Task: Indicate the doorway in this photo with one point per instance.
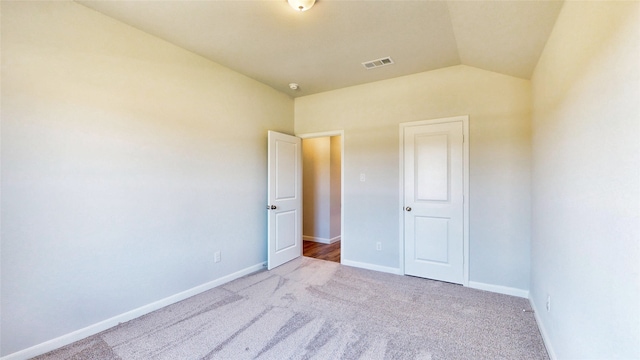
(322, 196)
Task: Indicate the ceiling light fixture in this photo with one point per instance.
(301, 5)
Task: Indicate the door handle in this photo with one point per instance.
(271, 207)
(408, 208)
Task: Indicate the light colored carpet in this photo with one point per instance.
(313, 309)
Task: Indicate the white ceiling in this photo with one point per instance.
(322, 49)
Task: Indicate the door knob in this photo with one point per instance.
(408, 208)
(273, 207)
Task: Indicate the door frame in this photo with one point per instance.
(325, 134)
(465, 187)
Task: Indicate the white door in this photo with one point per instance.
(433, 201)
(284, 200)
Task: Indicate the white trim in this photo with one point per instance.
(321, 134)
(499, 289)
(545, 335)
(374, 267)
(320, 240)
(467, 197)
(465, 130)
(342, 161)
(90, 330)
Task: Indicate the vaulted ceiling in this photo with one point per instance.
(323, 48)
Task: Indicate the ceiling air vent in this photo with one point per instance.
(377, 63)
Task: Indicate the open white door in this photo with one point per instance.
(284, 200)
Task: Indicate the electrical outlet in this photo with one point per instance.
(548, 303)
(216, 256)
(363, 177)
(378, 246)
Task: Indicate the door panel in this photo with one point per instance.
(285, 230)
(284, 200)
(433, 200)
(437, 248)
(285, 169)
(432, 167)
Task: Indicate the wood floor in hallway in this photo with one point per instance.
(329, 252)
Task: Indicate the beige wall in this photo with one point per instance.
(126, 163)
(586, 182)
(499, 110)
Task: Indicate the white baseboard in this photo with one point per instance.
(368, 266)
(499, 289)
(543, 332)
(72, 337)
(320, 240)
